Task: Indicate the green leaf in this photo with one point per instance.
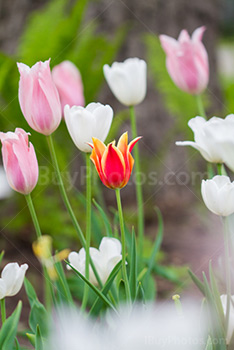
(209, 345)
(133, 267)
(32, 296)
(32, 338)
(216, 295)
(140, 293)
(157, 243)
(39, 342)
(1, 256)
(97, 291)
(217, 331)
(105, 219)
(38, 314)
(62, 285)
(122, 291)
(148, 282)
(17, 345)
(196, 280)
(9, 329)
(98, 302)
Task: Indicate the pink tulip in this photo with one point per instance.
(19, 160)
(39, 98)
(187, 60)
(68, 81)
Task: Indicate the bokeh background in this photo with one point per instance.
(92, 33)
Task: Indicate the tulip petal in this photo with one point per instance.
(184, 36)
(123, 144)
(169, 44)
(110, 247)
(19, 279)
(113, 166)
(198, 33)
(132, 143)
(14, 173)
(2, 289)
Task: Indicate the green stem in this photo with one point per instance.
(38, 231)
(3, 310)
(122, 230)
(219, 168)
(63, 191)
(33, 214)
(67, 203)
(201, 109)
(227, 270)
(139, 193)
(88, 227)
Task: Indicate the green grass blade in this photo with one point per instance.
(97, 291)
(98, 302)
(133, 267)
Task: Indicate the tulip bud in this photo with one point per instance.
(68, 81)
(39, 98)
(218, 195)
(105, 258)
(187, 60)
(114, 164)
(19, 160)
(214, 139)
(85, 123)
(230, 330)
(12, 278)
(127, 80)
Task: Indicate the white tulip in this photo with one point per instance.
(230, 330)
(12, 278)
(127, 80)
(213, 138)
(218, 195)
(83, 123)
(5, 189)
(105, 258)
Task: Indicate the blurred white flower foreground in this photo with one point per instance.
(149, 327)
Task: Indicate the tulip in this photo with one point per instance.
(85, 123)
(105, 258)
(68, 81)
(39, 98)
(230, 330)
(127, 80)
(5, 190)
(12, 278)
(114, 164)
(218, 195)
(42, 248)
(214, 138)
(187, 60)
(19, 160)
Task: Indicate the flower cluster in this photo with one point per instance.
(118, 271)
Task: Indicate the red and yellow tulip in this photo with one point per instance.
(114, 163)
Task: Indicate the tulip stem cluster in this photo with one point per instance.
(122, 230)
(200, 105)
(33, 214)
(138, 183)
(3, 310)
(88, 226)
